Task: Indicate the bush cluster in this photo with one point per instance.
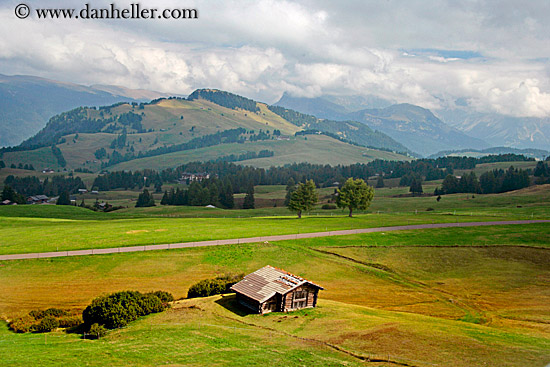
(118, 309)
(43, 321)
(97, 331)
(210, 287)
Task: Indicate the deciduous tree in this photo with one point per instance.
(354, 194)
(303, 198)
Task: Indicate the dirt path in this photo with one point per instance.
(170, 246)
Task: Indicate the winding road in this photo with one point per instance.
(170, 246)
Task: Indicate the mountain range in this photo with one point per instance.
(27, 102)
(501, 130)
(415, 127)
(208, 125)
(425, 132)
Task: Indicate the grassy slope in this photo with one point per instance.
(200, 117)
(484, 167)
(316, 149)
(504, 288)
(39, 158)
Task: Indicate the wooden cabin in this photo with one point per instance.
(271, 289)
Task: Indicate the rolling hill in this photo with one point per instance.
(209, 125)
(27, 102)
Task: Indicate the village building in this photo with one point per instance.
(187, 177)
(271, 289)
(37, 199)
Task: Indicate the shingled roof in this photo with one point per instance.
(264, 283)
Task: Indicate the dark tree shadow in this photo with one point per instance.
(229, 302)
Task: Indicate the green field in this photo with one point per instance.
(452, 296)
(51, 228)
(388, 296)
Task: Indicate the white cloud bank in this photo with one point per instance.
(308, 48)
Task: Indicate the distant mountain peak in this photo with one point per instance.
(415, 127)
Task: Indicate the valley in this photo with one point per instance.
(463, 296)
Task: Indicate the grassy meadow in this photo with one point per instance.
(456, 296)
(52, 228)
(452, 296)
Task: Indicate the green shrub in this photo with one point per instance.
(54, 312)
(210, 287)
(97, 331)
(22, 324)
(69, 321)
(46, 325)
(165, 297)
(328, 206)
(149, 303)
(118, 309)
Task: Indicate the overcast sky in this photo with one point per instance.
(492, 55)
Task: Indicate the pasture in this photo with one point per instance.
(460, 296)
(438, 297)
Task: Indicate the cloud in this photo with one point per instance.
(494, 56)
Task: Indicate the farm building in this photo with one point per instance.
(37, 199)
(270, 289)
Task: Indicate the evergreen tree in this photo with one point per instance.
(488, 183)
(158, 187)
(145, 199)
(165, 199)
(226, 197)
(181, 197)
(64, 199)
(248, 202)
(194, 192)
(416, 187)
(204, 196)
(355, 194)
(449, 185)
(8, 193)
(380, 182)
(541, 170)
(214, 195)
(303, 198)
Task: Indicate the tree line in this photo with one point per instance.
(491, 182)
(212, 191)
(241, 177)
(51, 186)
(225, 99)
